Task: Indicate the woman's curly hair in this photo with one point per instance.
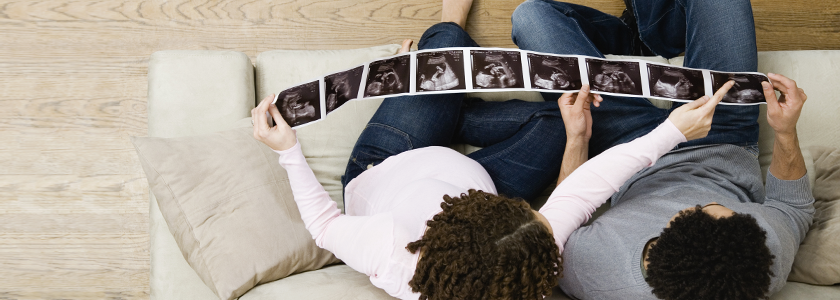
(484, 246)
(702, 257)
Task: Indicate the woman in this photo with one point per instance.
(424, 221)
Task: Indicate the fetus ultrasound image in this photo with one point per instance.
(440, 70)
(342, 87)
(623, 77)
(747, 88)
(388, 76)
(495, 69)
(554, 72)
(675, 83)
(301, 104)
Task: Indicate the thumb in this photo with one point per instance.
(406, 46)
(275, 114)
(769, 94)
(582, 97)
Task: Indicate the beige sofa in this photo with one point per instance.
(197, 92)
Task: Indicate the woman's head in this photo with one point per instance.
(484, 246)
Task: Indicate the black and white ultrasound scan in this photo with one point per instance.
(623, 77)
(301, 104)
(342, 87)
(554, 72)
(747, 88)
(496, 69)
(440, 71)
(675, 83)
(388, 76)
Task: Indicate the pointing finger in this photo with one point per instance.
(718, 96)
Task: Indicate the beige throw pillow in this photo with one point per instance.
(230, 208)
(818, 259)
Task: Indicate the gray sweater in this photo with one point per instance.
(602, 260)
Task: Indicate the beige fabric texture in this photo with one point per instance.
(222, 84)
(818, 259)
(228, 204)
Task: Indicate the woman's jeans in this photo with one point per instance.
(524, 141)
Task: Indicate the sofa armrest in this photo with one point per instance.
(190, 93)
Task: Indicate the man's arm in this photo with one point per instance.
(575, 154)
(577, 118)
(787, 188)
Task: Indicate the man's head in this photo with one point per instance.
(710, 252)
(484, 246)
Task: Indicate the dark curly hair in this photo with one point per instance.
(702, 257)
(484, 246)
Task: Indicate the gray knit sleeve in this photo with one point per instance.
(793, 198)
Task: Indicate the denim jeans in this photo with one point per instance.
(523, 141)
(715, 34)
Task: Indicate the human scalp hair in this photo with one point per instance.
(484, 246)
(702, 257)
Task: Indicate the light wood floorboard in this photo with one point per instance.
(73, 198)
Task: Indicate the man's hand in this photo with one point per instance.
(280, 137)
(783, 112)
(694, 119)
(577, 116)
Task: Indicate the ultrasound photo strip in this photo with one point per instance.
(465, 70)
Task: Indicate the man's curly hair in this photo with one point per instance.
(484, 246)
(703, 257)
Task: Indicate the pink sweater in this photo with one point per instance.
(388, 205)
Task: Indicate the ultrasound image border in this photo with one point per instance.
(573, 70)
(357, 87)
(758, 88)
(459, 68)
(701, 78)
(519, 68)
(317, 104)
(405, 80)
(637, 80)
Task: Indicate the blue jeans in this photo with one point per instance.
(523, 141)
(714, 34)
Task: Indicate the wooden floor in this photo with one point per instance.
(73, 198)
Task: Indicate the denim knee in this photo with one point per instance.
(446, 34)
(527, 16)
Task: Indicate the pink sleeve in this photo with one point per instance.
(576, 198)
(363, 242)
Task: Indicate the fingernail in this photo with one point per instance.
(771, 74)
(766, 85)
(585, 87)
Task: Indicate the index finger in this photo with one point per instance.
(718, 96)
(782, 80)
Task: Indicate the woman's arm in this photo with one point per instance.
(575, 198)
(364, 243)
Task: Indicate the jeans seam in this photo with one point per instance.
(651, 24)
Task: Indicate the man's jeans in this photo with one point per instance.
(523, 141)
(715, 34)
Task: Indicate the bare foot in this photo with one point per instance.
(406, 46)
(456, 11)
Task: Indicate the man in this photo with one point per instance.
(726, 235)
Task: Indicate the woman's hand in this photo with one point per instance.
(280, 137)
(574, 107)
(694, 119)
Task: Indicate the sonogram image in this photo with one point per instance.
(440, 70)
(300, 104)
(388, 76)
(342, 87)
(623, 77)
(554, 72)
(496, 69)
(675, 83)
(747, 88)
